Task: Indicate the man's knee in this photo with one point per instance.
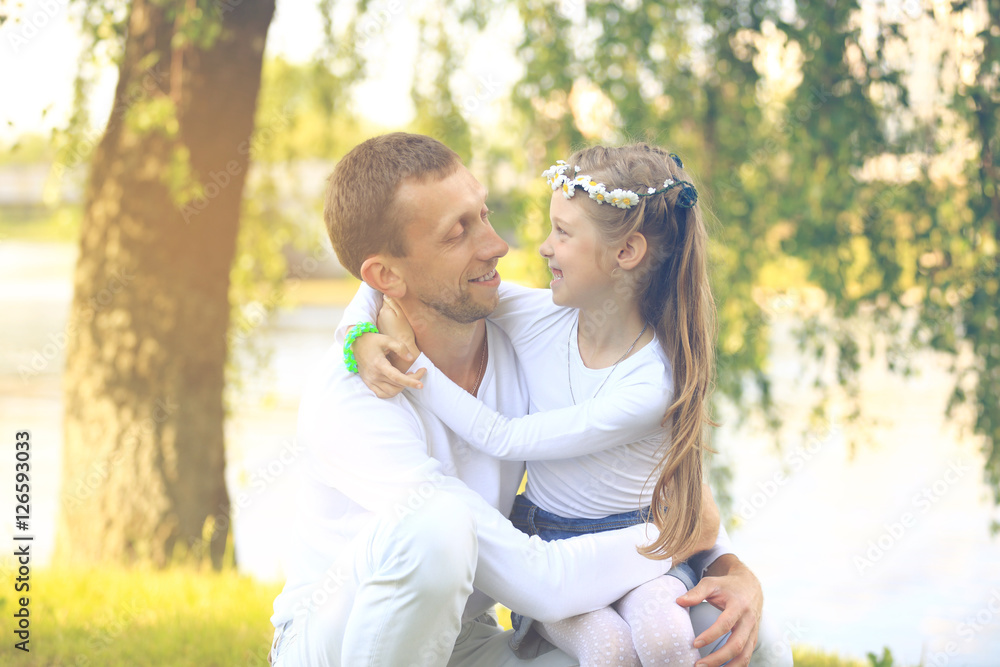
(434, 540)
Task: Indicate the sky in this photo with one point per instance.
(39, 53)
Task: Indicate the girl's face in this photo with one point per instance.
(579, 259)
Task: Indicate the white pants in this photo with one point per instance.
(403, 605)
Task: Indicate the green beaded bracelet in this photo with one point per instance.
(353, 335)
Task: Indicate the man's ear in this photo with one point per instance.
(382, 277)
(631, 252)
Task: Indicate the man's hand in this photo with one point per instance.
(730, 586)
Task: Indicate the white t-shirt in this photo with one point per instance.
(588, 460)
(365, 456)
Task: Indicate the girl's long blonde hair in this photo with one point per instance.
(673, 292)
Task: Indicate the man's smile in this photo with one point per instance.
(487, 278)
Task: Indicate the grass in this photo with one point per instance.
(181, 616)
(804, 656)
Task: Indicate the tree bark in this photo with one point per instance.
(143, 452)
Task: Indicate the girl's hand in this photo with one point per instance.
(392, 322)
(373, 353)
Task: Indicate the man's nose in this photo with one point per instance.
(493, 246)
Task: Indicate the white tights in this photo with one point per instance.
(646, 627)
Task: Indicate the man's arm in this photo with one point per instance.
(702, 560)
(729, 585)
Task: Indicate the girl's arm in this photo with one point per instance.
(394, 467)
(362, 308)
(378, 355)
(627, 413)
(522, 313)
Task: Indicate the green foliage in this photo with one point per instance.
(884, 661)
(787, 114)
(791, 116)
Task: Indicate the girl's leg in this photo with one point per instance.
(601, 637)
(661, 629)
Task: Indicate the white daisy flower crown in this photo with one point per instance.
(624, 199)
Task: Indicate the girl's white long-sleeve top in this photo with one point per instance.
(364, 457)
(586, 460)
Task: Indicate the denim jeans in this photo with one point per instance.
(533, 520)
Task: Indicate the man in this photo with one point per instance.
(401, 544)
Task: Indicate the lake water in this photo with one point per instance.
(885, 544)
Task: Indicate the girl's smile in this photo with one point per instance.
(577, 255)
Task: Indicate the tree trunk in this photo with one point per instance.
(143, 453)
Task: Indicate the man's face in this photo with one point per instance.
(452, 250)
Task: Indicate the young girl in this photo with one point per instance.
(618, 359)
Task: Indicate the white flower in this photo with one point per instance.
(651, 191)
(616, 197)
(557, 181)
(667, 183)
(598, 193)
(558, 169)
(568, 188)
(629, 199)
(577, 168)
